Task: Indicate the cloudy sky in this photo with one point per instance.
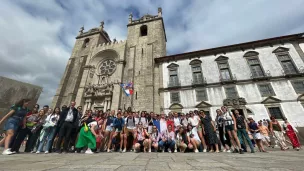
(37, 36)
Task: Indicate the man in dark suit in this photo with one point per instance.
(66, 122)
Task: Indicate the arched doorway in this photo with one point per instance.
(176, 108)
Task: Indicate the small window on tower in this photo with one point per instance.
(143, 30)
(86, 43)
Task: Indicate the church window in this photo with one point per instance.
(231, 92)
(144, 30)
(224, 69)
(266, 90)
(254, 64)
(285, 60)
(276, 112)
(175, 97)
(197, 74)
(298, 86)
(107, 67)
(86, 42)
(201, 95)
(173, 75)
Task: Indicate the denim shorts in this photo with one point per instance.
(12, 123)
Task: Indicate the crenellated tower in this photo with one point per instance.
(146, 40)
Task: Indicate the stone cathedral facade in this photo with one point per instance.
(260, 78)
(97, 66)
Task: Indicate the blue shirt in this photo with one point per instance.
(118, 123)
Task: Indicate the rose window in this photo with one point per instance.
(107, 67)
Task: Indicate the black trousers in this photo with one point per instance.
(65, 133)
(11, 144)
(74, 136)
(221, 134)
(20, 138)
(32, 140)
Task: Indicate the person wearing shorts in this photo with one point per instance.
(118, 125)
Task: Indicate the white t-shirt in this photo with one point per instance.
(194, 121)
(176, 122)
(195, 135)
(163, 125)
(70, 116)
(92, 124)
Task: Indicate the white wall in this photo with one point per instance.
(284, 90)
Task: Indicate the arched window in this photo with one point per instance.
(144, 30)
(253, 61)
(86, 42)
(197, 74)
(173, 75)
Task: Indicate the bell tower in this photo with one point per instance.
(146, 40)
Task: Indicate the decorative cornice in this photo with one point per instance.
(231, 48)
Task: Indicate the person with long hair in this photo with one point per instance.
(224, 137)
(48, 131)
(181, 139)
(277, 131)
(194, 140)
(155, 137)
(195, 122)
(209, 130)
(254, 129)
(230, 128)
(143, 139)
(31, 121)
(87, 138)
(32, 140)
(291, 132)
(15, 117)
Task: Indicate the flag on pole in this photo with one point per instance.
(127, 88)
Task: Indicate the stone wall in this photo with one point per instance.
(11, 91)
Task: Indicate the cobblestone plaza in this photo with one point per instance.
(273, 161)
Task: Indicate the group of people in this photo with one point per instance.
(70, 130)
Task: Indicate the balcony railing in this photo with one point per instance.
(174, 84)
(260, 76)
(291, 73)
(231, 79)
(202, 81)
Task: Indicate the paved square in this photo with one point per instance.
(273, 161)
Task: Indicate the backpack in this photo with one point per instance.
(128, 120)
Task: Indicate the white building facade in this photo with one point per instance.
(262, 78)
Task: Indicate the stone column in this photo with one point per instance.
(105, 106)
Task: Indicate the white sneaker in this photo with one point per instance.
(46, 152)
(124, 150)
(37, 152)
(169, 150)
(163, 150)
(175, 151)
(204, 150)
(89, 151)
(109, 151)
(7, 152)
(224, 151)
(32, 151)
(229, 151)
(196, 151)
(150, 150)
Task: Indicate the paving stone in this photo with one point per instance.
(273, 161)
